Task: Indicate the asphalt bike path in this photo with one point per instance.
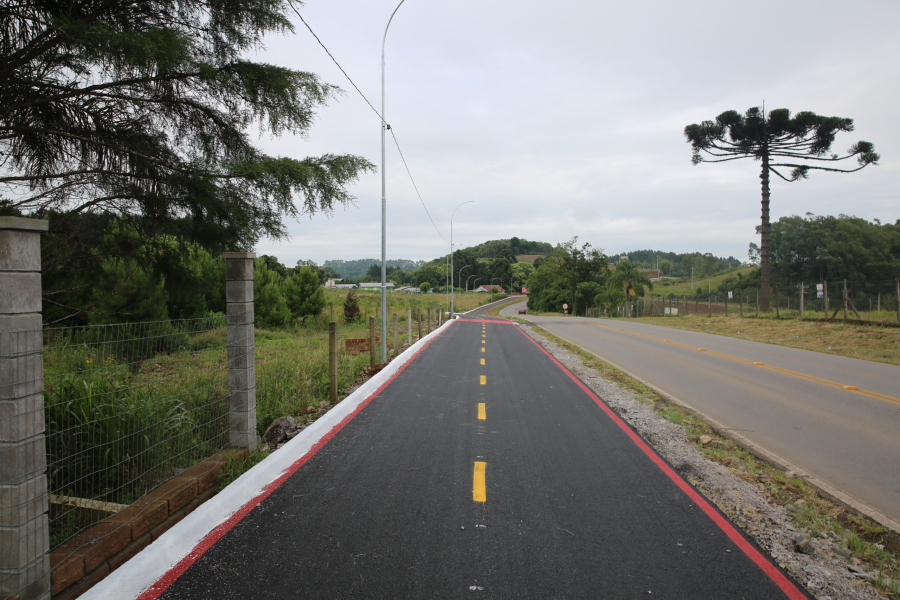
(483, 469)
(834, 418)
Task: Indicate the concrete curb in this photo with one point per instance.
(824, 488)
(157, 559)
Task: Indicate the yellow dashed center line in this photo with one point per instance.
(482, 361)
(482, 341)
(482, 349)
(482, 413)
(483, 380)
(789, 372)
(479, 490)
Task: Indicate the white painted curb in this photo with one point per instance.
(148, 566)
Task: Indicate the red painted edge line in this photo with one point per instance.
(767, 567)
(503, 322)
(170, 576)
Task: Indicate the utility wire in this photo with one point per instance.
(414, 185)
(384, 123)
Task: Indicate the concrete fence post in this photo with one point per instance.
(332, 362)
(24, 522)
(241, 349)
(409, 325)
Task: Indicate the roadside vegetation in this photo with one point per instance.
(858, 537)
(866, 341)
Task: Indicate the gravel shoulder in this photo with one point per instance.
(822, 563)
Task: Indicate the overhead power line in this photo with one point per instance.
(380, 118)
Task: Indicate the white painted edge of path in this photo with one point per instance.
(486, 305)
(824, 488)
(149, 565)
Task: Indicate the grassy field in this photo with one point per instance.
(868, 342)
(682, 286)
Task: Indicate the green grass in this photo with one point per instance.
(682, 285)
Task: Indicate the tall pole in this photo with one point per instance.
(492, 287)
(452, 294)
(463, 269)
(467, 282)
(384, 127)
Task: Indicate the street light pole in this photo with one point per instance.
(492, 287)
(452, 294)
(463, 269)
(384, 127)
(467, 282)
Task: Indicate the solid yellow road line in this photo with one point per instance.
(483, 380)
(482, 414)
(482, 361)
(789, 372)
(479, 490)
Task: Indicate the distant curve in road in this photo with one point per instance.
(484, 469)
(836, 418)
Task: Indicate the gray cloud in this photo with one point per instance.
(563, 119)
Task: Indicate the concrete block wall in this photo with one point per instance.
(241, 349)
(24, 526)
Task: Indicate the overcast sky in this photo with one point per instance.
(566, 118)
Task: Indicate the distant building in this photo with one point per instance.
(375, 286)
(408, 290)
(330, 283)
(343, 286)
(484, 289)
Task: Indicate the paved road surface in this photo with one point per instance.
(483, 470)
(793, 404)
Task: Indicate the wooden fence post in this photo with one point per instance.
(396, 339)
(846, 298)
(332, 361)
(419, 321)
(372, 341)
(409, 325)
(428, 322)
(825, 295)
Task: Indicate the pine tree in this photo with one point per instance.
(351, 307)
(144, 110)
(805, 137)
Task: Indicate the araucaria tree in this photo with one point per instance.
(145, 110)
(801, 142)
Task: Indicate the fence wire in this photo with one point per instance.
(128, 406)
(851, 300)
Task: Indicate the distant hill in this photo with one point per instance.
(518, 246)
(355, 269)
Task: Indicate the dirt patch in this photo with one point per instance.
(744, 492)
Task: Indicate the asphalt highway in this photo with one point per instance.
(836, 418)
(484, 469)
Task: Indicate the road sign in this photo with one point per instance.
(524, 290)
(565, 306)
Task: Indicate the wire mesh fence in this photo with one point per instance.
(93, 418)
(128, 406)
(851, 300)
